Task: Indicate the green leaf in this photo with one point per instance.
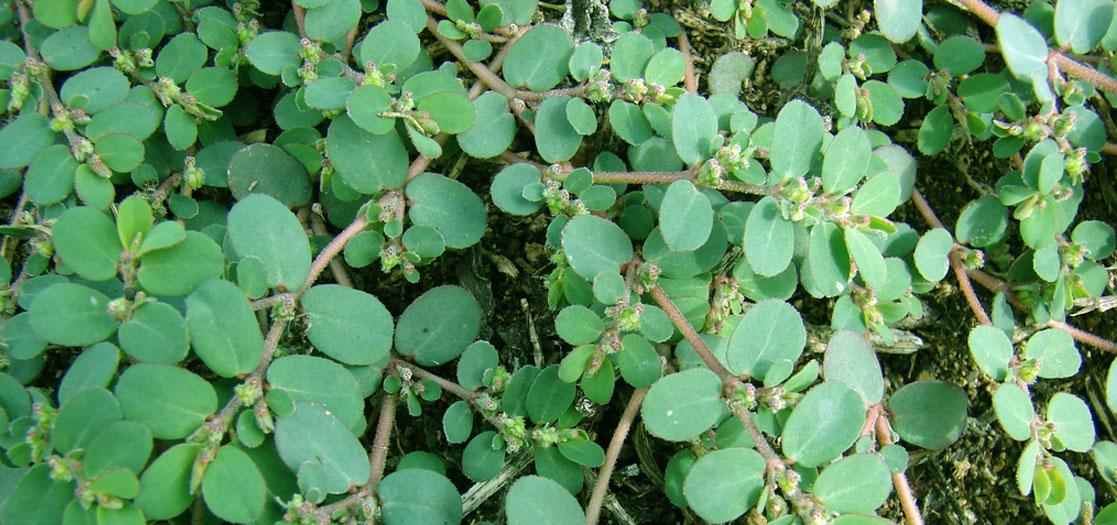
(86, 240)
(929, 414)
(326, 455)
(594, 245)
(122, 153)
(555, 139)
(1023, 47)
(509, 186)
(213, 86)
(457, 422)
(870, 262)
(1096, 237)
(37, 498)
(982, 222)
(630, 56)
(549, 396)
(233, 487)
(95, 89)
(879, 196)
(1082, 24)
(364, 106)
(535, 500)
(480, 461)
(390, 42)
(538, 60)
(179, 127)
(724, 484)
(223, 329)
(583, 452)
(95, 367)
(729, 73)
(72, 315)
(581, 116)
(331, 21)
(629, 122)
(260, 226)
(694, 129)
(273, 51)
(828, 259)
(936, 130)
(638, 361)
(172, 402)
(769, 238)
(437, 327)
(824, 424)
(70, 49)
(850, 359)
(165, 484)
(578, 325)
(585, 61)
(268, 169)
(83, 418)
(666, 68)
(320, 381)
(685, 217)
(682, 405)
(348, 325)
(991, 350)
(1056, 352)
(417, 497)
(51, 176)
(179, 269)
(846, 160)
(447, 206)
(959, 55)
(122, 444)
(367, 162)
(156, 333)
(1074, 425)
(494, 129)
(796, 141)
(898, 19)
(23, 139)
(770, 331)
(932, 254)
(475, 363)
(1014, 410)
(857, 483)
(56, 14)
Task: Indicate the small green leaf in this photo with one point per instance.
(770, 331)
(1014, 410)
(870, 262)
(629, 122)
(437, 327)
(333, 20)
(899, 20)
(578, 325)
(165, 484)
(83, 418)
(447, 206)
(1082, 24)
(694, 129)
(685, 217)
(857, 483)
(1074, 424)
(581, 116)
(262, 227)
(769, 238)
(555, 138)
(390, 42)
(156, 333)
(1023, 48)
(594, 245)
(724, 484)
(549, 396)
(509, 187)
(846, 160)
(682, 405)
(326, 455)
(367, 162)
(630, 56)
(86, 240)
(320, 381)
(1056, 352)
(480, 461)
(535, 500)
(796, 141)
(268, 169)
(172, 402)
(272, 51)
(223, 329)
(95, 367)
(824, 424)
(850, 359)
(538, 59)
(932, 254)
(457, 422)
(494, 129)
(929, 414)
(419, 496)
(348, 325)
(179, 269)
(991, 350)
(72, 315)
(233, 487)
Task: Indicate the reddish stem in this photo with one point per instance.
(601, 486)
(899, 480)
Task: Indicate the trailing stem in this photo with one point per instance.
(601, 485)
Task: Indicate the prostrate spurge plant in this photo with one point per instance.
(203, 369)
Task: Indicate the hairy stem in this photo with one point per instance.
(692, 336)
(601, 485)
(331, 250)
(899, 480)
(690, 79)
(337, 269)
(378, 457)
